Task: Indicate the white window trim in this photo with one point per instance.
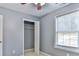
(74, 50)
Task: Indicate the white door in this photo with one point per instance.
(1, 34)
(37, 37)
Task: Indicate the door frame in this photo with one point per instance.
(1, 33)
(36, 35)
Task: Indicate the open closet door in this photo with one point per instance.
(37, 37)
(1, 34)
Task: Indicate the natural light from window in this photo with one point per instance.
(67, 30)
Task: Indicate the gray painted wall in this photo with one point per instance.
(48, 32)
(28, 35)
(13, 31)
(13, 38)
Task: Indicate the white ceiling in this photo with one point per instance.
(30, 8)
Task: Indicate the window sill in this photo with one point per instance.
(69, 49)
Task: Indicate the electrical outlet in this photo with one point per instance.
(13, 51)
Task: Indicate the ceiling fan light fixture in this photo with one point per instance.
(40, 4)
(39, 7)
(23, 3)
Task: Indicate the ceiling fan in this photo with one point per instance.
(38, 5)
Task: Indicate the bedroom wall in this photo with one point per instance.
(48, 32)
(13, 31)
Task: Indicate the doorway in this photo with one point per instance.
(31, 37)
(28, 36)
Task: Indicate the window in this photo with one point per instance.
(67, 39)
(67, 30)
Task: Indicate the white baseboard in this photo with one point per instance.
(31, 50)
(45, 54)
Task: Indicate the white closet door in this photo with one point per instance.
(1, 34)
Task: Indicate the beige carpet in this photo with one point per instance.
(32, 54)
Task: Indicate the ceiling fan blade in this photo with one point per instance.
(23, 3)
(39, 7)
